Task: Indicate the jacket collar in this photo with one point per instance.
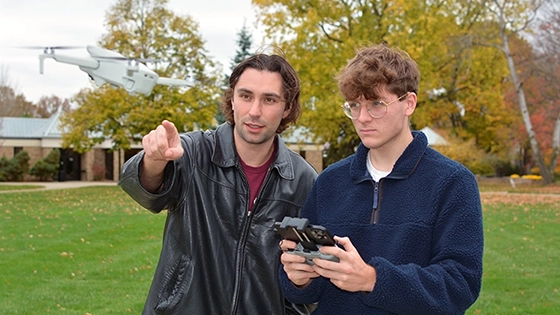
(225, 154)
(405, 165)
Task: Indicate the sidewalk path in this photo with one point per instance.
(54, 185)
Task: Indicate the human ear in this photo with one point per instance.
(287, 111)
(411, 100)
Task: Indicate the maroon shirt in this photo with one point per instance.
(255, 176)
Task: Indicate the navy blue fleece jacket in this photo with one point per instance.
(420, 228)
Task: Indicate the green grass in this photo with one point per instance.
(76, 251)
(521, 260)
(521, 254)
(94, 250)
(5, 187)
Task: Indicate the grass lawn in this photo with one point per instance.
(521, 254)
(94, 250)
(5, 187)
(76, 251)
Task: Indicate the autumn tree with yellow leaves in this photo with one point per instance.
(146, 30)
(461, 88)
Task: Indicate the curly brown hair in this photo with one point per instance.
(272, 63)
(378, 67)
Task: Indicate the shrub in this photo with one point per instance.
(47, 168)
(4, 162)
(466, 153)
(532, 177)
(13, 170)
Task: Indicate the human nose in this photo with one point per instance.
(363, 113)
(255, 110)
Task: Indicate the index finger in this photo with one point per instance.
(169, 128)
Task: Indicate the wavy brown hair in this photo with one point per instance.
(271, 63)
(376, 67)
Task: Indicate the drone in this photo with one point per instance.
(107, 66)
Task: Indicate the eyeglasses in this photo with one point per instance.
(376, 109)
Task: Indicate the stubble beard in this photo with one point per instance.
(254, 138)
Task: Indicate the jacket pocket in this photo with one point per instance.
(178, 277)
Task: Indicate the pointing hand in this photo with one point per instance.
(162, 143)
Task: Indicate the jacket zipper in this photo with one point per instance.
(240, 249)
(257, 198)
(243, 239)
(375, 208)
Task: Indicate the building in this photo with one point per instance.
(434, 139)
(39, 136)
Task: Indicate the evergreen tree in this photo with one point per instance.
(244, 43)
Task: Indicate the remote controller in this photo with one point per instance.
(309, 238)
(309, 255)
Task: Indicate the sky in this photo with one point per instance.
(80, 23)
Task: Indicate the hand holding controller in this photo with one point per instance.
(309, 255)
(309, 238)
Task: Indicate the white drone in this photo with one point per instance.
(109, 66)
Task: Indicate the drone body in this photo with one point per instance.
(106, 66)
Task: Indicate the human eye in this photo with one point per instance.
(353, 105)
(270, 100)
(245, 97)
(377, 104)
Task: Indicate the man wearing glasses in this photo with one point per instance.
(407, 220)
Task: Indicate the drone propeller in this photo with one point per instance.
(51, 49)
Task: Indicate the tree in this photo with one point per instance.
(515, 16)
(244, 43)
(548, 65)
(12, 103)
(146, 29)
(461, 84)
(49, 105)
(536, 70)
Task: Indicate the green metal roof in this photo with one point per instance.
(30, 128)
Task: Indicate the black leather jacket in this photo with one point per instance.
(217, 257)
